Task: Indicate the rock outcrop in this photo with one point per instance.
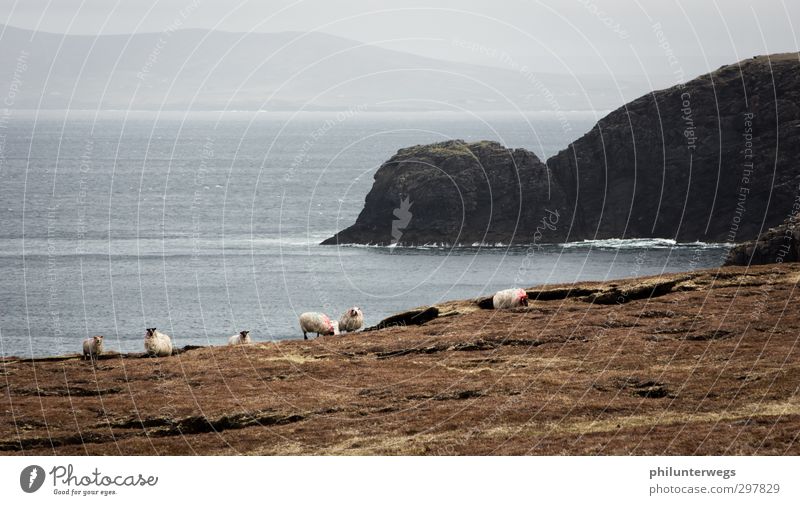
(776, 245)
(714, 159)
(456, 192)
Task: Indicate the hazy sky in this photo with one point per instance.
(580, 36)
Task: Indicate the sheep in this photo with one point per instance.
(351, 320)
(317, 322)
(510, 298)
(157, 344)
(93, 347)
(242, 338)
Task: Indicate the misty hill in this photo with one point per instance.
(213, 70)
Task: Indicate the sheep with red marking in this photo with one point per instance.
(510, 298)
(317, 322)
(351, 320)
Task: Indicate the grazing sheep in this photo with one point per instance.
(317, 322)
(351, 320)
(93, 347)
(510, 298)
(157, 344)
(242, 338)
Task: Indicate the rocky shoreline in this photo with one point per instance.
(776, 245)
(700, 362)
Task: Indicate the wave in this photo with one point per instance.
(438, 246)
(642, 243)
(611, 244)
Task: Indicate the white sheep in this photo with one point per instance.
(317, 322)
(93, 347)
(351, 320)
(242, 338)
(157, 344)
(510, 298)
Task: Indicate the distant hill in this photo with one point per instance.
(213, 70)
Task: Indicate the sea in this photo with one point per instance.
(202, 224)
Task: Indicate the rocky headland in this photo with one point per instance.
(456, 192)
(694, 363)
(776, 245)
(715, 159)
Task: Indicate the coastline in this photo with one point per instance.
(698, 362)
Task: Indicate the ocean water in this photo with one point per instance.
(204, 224)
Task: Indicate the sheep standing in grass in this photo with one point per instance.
(351, 320)
(157, 344)
(317, 322)
(93, 347)
(510, 298)
(242, 338)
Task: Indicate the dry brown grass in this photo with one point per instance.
(710, 367)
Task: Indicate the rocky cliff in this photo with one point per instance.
(459, 193)
(714, 159)
(776, 245)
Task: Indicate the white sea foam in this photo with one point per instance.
(612, 243)
(642, 243)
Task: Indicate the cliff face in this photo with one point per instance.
(459, 193)
(715, 159)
